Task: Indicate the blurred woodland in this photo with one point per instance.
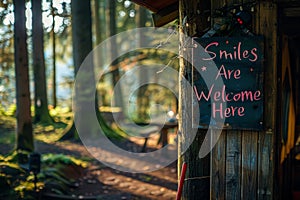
(42, 45)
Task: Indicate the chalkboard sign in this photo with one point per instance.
(236, 63)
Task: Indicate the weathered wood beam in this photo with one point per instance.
(197, 183)
(266, 25)
(165, 15)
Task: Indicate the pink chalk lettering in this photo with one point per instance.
(219, 111)
(236, 54)
(227, 73)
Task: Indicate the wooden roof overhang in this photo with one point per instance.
(164, 11)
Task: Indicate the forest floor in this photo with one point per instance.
(101, 182)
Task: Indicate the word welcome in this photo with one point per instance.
(242, 96)
(220, 97)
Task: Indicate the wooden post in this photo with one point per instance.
(266, 25)
(193, 22)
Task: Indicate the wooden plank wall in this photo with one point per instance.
(242, 162)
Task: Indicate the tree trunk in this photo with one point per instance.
(98, 32)
(24, 139)
(54, 97)
(40, 89)
(111, 18)
(142, 98)
(82, 46)
(197, 183)
(98, 60)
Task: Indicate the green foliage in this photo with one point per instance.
(110, 131)
(7, 130)
(10, 168)
(12, 177)
(59, 111)
(2, 110)
(53, 178)
(7, 121)
(7, 137)
(63, 159)
(14, 156)
(11, 111)
(59, 170)
(25, 189)
(56, 175)
(50, 133)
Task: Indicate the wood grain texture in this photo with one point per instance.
(249, 165)
(265, 167)
(266, 25)
(233, 163)
(197, 184)
(218, 167)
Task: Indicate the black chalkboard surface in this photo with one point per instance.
(228, 81)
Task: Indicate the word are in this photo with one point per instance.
(228, 74)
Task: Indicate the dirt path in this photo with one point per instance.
(107, 183)
(102, 182)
